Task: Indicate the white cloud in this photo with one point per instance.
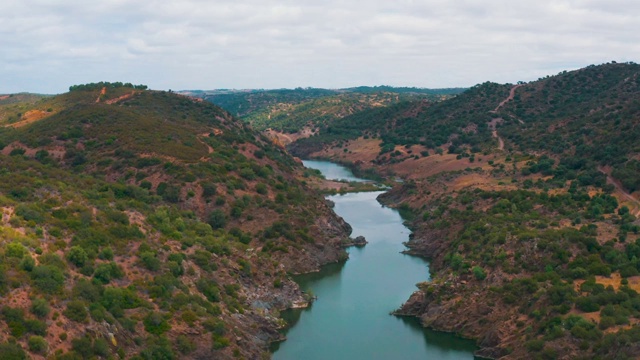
(188, 44)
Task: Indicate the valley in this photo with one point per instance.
(147, 224)
(523, 196)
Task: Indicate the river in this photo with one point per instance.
(350, 319)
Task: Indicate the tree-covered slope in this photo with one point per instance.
(305, 110)
(587, 117)
(145, 224)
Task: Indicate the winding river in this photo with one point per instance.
(350, 319)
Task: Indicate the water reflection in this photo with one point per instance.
(350, 319)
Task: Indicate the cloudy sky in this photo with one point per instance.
(47, 45)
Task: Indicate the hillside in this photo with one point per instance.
(525, 199)
(292, 114)
(144, 224)
(316, 113)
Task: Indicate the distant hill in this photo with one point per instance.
(590, 114)
(146, 224)
(20, 98)
(294, 110)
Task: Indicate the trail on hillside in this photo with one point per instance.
(621, 189)
(494, 122)
(512, 94)
(102, 92)
(494, 133)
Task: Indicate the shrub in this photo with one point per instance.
(587, 304)
(37, 344)
(40, 307)
(47, 278)
(184, 345)
(156, 324)
(76, 311)
(535, 345)
(150, 261)
(217, 219)
(27, 263)
(479, 273)
(12, 351)
(15, 250)
(106, 272)
(209, 189)
(77, 256)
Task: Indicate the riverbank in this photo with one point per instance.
(351, 317)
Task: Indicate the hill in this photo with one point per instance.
(291, 114)
(144, 224)
(525, 199)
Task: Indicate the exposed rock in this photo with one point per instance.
(359, 241)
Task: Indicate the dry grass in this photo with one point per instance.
(615, 281)
(30, 117)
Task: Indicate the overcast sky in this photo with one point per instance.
(47, 45)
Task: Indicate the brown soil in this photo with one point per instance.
(512, 94)
(29, 117)
(118, 99)
(102, 93)
(622, 194)
(286, 139)
(615, 281)
(494, 134)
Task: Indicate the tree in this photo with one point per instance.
(217, 219)
(77, 256)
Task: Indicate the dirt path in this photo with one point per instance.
(29, 117)
(512, 94)
(102, 92)
(493, 124)
(118, 99)
(209, 147)
(621, 190)
(494, 133)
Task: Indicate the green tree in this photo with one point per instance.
(217, 219)
(77, 256)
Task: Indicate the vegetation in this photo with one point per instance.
(546, 246)
(291, 110)
(145, 212)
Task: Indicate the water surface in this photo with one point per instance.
(350, 319)
(332, 171)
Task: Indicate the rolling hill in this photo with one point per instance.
(525, 198)
(145, 224)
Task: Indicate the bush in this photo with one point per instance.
(479, 273)
(27, 263)
(77, 256)
(48, 279)
(12, 351)
(40, 308)
(217, 219)
(76, 311)
(535, 345)
(606, 322)
(15, 250)
(38, 344)
(209, 189)
(184, 345)
(150, 261)
(156, 324)
(106, 272)
(587, 304)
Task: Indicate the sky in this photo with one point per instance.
(48, 45)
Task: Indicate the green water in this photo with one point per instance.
(332, 171)
(350, 319)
